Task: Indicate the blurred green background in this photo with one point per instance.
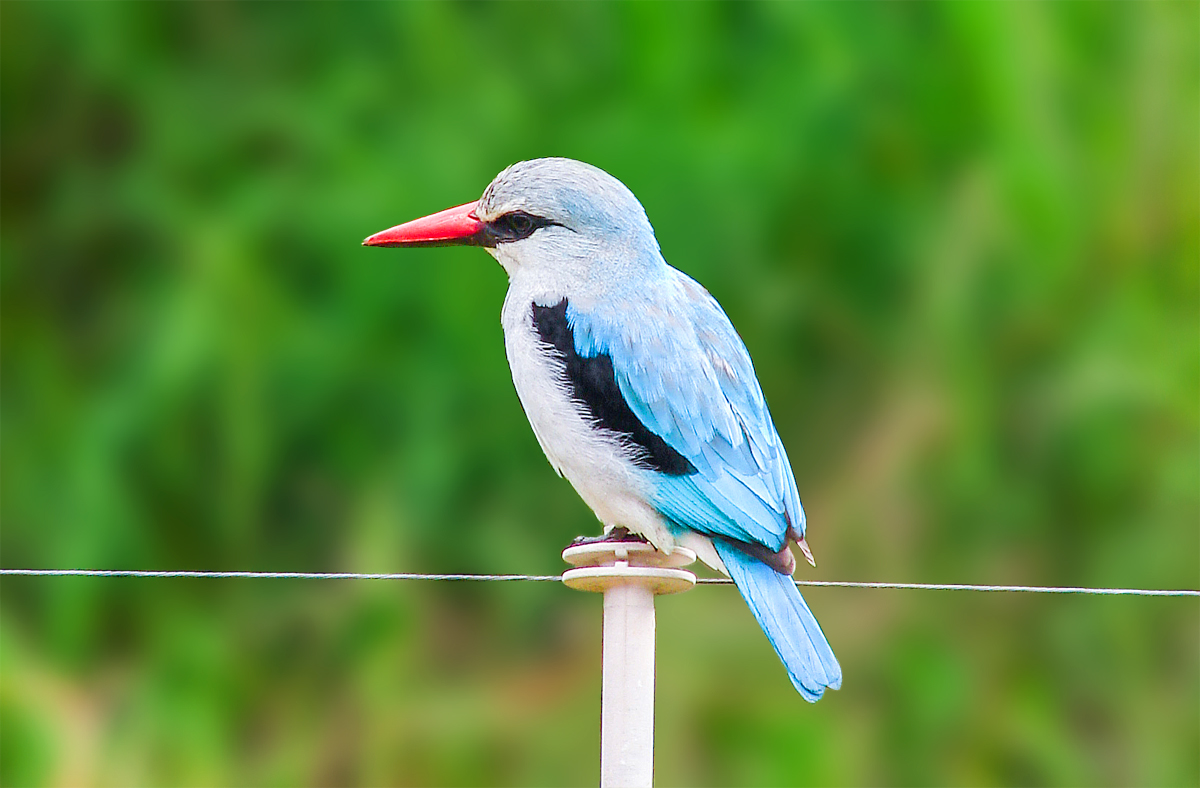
(961, 242)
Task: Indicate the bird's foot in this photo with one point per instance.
(618, 534)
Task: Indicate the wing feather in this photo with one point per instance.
(686, 375)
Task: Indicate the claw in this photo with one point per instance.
(617, 534)
(807, 552)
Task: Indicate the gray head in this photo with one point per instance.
(565, 213)
(569, 193)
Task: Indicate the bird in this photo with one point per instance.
(638, 388)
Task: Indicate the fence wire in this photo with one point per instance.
(552, 578)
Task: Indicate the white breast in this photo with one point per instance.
(597, 464)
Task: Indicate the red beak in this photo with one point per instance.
(445, 228)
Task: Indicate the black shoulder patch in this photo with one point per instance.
(594, 384)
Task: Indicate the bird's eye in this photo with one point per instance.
(515, 226)
(520, 223)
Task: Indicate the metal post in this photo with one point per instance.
(629, 574)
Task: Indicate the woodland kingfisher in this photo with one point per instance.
(639, 389)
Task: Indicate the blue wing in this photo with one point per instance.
(684, 372)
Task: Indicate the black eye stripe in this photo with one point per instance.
(514, 226)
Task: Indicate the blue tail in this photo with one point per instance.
(787, 621)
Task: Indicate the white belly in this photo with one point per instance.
(594, 461)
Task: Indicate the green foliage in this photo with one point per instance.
(960, 240)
